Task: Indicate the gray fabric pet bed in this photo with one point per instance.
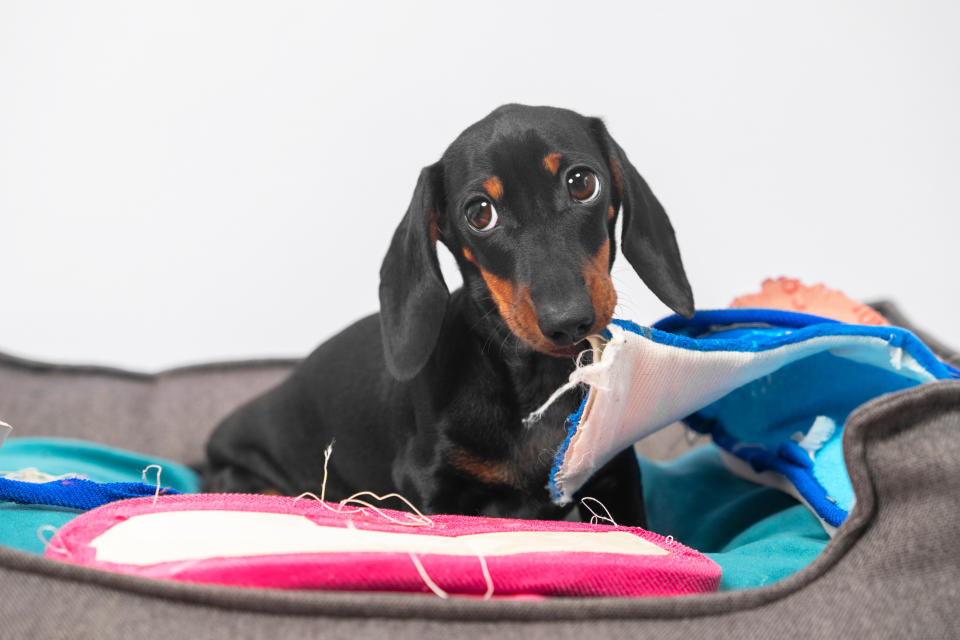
(892, 571)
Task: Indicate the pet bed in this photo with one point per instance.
(890, 570)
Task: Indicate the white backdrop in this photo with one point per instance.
(185, 181)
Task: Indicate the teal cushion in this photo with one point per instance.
(756, 534)
(20, 524)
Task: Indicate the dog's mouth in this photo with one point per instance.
(517, 309)
(571, 351)
(528, 332)
(522, 321)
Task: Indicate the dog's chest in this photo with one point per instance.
(492, 443)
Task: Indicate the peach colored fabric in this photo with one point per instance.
(790, 294)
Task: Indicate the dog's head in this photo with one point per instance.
(527, 200)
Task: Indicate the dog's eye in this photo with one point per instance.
(481, 215)
(583, 185)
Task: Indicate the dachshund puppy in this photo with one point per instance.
(427, 398)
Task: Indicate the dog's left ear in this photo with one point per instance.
(648, 242)
(413, 295)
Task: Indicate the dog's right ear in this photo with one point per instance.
(649, 243)
(413, 294)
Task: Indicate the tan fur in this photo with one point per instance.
(617, 176)
(434, 228)
(552, 162)
(486, 471)
(493, 187)
(596, 273)
(515, 307)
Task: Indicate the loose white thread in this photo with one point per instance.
(326, 459)
(323, 486)
(418, 519)
(415, 519)
(433, 586)
(486, 576)
(596, 516)
(594, 353)
(143, 476)
(577, 377)
(52, 530)
(537, 415)
(325, 505)
(421, 570)
(486, 572)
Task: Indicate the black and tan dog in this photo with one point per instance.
(428, 397)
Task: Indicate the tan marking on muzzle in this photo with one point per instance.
(596, 273)
(515, 306)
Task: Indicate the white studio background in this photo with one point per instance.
(193, 181)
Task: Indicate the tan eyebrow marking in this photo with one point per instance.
(617, 176)
(552, 162)
(434, 228)
(494, 187)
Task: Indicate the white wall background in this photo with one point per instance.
(185, 181)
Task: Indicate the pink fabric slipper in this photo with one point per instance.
(271, 541)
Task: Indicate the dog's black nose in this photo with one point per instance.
(566, 325)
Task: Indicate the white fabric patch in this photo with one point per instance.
(820, 432)
(173, 536)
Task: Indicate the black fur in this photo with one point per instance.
(427, 398)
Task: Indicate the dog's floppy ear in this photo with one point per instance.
(648, 242)
(413, 295)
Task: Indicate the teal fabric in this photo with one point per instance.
(757, 535)
(19, 524)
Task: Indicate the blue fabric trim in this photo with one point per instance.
(75, 493)
(806, 327)
(706, 322)
(573, 422)
(795, 466)
(795, 454)
(703, 321)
